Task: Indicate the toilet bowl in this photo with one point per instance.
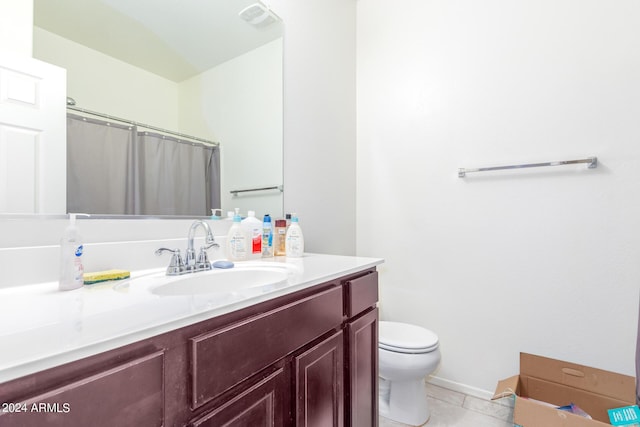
(406, 355)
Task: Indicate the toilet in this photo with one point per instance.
(406, 354)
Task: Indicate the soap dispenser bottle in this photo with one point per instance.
(294, 245)
(237, 240)
(71, 248)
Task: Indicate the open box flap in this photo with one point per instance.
(507, 387)
(617, 386)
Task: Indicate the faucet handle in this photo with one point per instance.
(176, 265)
(202, 263)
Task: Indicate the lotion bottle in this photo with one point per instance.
(71, 248)
(294, 245)
(237, 240)
(253, 227)
(279, 237)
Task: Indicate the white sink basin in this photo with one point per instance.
(221, 281)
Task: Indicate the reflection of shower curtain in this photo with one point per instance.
(176, 178)
(113, 169)
(100, 169)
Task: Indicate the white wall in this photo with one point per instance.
(542, 261)
(102, 83)
(16, 18)
(319, 120)
(236, 101)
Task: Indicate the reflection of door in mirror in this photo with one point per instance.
(32, 150)
(236, 100)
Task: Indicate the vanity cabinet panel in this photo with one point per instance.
(319, 382)
(129, 394)
(361, 293)
(307, 358)
(224, 357)
(362, 367)
(361, 329)
(264, 404)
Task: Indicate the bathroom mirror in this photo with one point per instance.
(195, 67)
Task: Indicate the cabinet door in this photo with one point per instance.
(130, 394)
(263, 405)
(362, 367)
(319, 382)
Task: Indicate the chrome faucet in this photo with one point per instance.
(190, 263)
(202, 262)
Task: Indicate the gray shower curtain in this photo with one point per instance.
(177, 177)
(100, 167)
(116, 169)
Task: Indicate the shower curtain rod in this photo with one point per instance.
(130, 122)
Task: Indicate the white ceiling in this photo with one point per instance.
(175, 39)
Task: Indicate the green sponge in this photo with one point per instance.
(103, 276)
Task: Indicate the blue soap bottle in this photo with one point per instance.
(267, 237)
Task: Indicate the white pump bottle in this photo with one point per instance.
(294, 240)
(237, 240)
(71, 248)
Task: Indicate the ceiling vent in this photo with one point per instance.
(258, 15)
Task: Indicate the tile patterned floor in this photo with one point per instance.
(454, 409)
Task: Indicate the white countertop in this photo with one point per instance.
(42, 327)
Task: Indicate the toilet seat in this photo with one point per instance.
(406, 338)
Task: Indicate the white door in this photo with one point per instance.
(32, 136)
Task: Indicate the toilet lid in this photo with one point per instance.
(406, 338)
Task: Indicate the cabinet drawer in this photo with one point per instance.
(129, 394)
(361, 293)
(227, 356)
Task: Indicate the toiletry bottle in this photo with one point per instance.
(253, 227)
(279, 236)
(71, 248)
(294, 239)
(214, 216)
(237, 240)
(267, 237)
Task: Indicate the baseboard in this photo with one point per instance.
(461, 388)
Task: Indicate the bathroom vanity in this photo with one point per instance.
(300, 354)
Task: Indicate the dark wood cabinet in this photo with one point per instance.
(319, 384)
(361, 297)
(304, 359)
(126, 394)
(260, 405)
(362, 335)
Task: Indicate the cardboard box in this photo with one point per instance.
(560, 383)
